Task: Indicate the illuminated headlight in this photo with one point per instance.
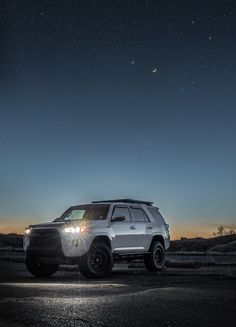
(72, 230)
(27, 231)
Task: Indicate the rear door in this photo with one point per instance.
(142, 227)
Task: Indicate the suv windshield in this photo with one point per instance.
(87, 211)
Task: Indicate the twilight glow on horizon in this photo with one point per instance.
(118, 99)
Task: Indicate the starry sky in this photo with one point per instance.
(106, 99)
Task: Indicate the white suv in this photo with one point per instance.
(97, 234)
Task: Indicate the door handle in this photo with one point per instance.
(149, 227)
(132, 227)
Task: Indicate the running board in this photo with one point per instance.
(129, 256)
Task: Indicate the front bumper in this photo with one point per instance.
(44, 243)
(53, 242)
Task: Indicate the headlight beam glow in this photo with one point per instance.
(73, 230)
(27, 231)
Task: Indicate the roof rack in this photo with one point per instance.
(125, 201)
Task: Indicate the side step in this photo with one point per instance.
(128, 256)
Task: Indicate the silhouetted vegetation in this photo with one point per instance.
(226, 243)
(221, 231)
(11, 240)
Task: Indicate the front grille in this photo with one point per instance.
(45, 241)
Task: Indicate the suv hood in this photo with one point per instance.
(49, 224)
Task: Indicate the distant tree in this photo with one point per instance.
(220, 231)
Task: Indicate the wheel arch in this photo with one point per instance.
(102, 239)
(157, 238)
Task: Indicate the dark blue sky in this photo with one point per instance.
(83, 116)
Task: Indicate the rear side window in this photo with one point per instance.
(121, 212)
(138, 215)
(156, 215)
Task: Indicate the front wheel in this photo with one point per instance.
(38, 268)
(155, 260)
(97, 262)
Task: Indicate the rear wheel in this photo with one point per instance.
(38, 268)
(155, 260)
(97, 262)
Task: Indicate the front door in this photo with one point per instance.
(124, 231)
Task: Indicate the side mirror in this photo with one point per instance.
(118, 218)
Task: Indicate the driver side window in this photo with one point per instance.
(122, 212)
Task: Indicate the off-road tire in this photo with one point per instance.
(155, 260)
(38, 268)
(97, 262)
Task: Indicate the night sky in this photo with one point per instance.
(106, 99)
